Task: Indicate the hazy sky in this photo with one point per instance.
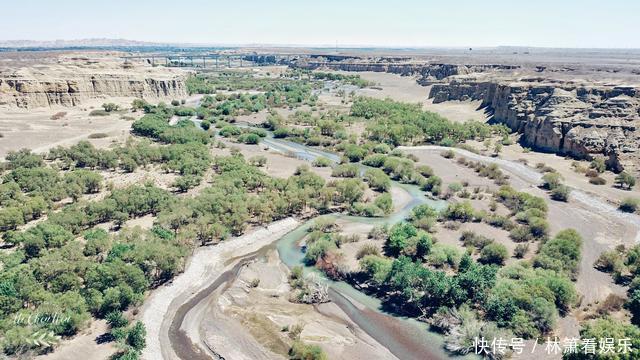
(549, 23)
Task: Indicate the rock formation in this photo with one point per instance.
(552, 111)
(31, 93)
(72, 81)
(582, 120)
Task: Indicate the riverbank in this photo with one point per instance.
(204, 267)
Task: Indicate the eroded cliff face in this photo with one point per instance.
(580, 120)
(553, 113)
(17, 91)
(69, 79)
(427, 73)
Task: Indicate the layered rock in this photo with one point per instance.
(22, 92)
(427, 73)
(581, 120)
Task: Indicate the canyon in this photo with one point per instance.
(584, 110)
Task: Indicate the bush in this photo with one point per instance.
(493, 253)
(597, 181)
(629, 205)
(598, 165)
(116, 319)
(302, 351)
(367, 249)
(322, 162)
(377, 180)
(462, 211)
(449, 154)
(561, 193)
(346, 170)
(384, 202)
(249, 138)
(58, 115)
(561, 254)
(98, 113)
(470, 238)
(625, 179)
(109, 107)
(521, 250)
(258, 161)
(551, 180)
(354, 152)
(591, 173)
(98, 136)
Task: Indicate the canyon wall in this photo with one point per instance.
(427, 73)
(30, 92)
(581, 120)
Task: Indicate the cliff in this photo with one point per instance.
(30, 80)
(427, 73)
(552, 111)
(581, 120)
(18, 91)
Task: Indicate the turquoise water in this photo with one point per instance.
(405, 337)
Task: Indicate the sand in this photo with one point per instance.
(203, 268)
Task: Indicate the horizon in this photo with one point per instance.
(141, 43)
(409, 24)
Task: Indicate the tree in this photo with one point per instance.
(136, 336)
(562, 253)
(399, 236)
(11, 218)
(609, 328)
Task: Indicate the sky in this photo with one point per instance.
(390, 23)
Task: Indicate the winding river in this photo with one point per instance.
(405, 338)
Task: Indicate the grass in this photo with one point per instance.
(99, 112)
(98, 136)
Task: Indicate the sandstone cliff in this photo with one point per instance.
(581, 120)
(68, 80)
(32, 92)
(427, 73)
(554, 113)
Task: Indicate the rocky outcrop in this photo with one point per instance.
(560, 115)
(580, 120)
(30, 92)
(427, 73)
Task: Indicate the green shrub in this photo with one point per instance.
(493, 253)
(301, 351)
(346, 170)
(629, 205)
(322, 162)
(561, 193)
(625, 179)
(551, 180)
